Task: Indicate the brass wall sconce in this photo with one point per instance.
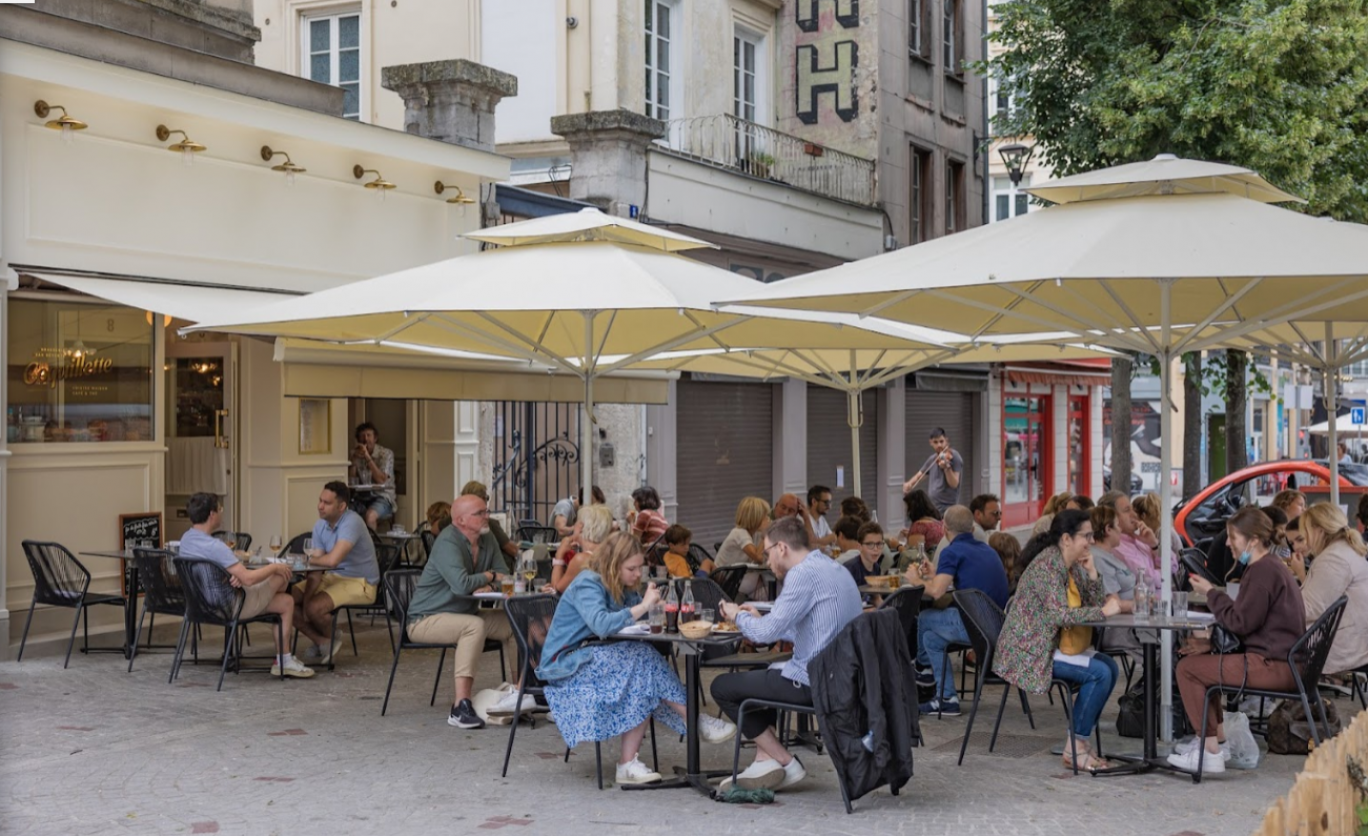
(68, 124)
(459, 199)
(380, 184)
(288, 166)
(187, 147)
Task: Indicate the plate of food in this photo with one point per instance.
(725, 627)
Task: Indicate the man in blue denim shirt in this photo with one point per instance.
(342, 543)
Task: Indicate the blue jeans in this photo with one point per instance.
(1095, 683)
(936, 630)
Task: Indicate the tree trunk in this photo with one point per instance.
(1192, 424)
(1237, 441)
(1121, 423)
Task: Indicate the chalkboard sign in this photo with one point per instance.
(144, 530)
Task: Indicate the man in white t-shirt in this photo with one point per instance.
(818, 503)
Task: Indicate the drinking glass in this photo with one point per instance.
(506, 585)
(709, 616)
(1180, 604)
(276, 544)
(308, 545)
(657, 618)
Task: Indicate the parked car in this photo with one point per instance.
(1201, 518)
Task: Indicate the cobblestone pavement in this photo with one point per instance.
(96, 750)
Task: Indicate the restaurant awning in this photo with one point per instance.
(191, 302)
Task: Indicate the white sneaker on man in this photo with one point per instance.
(1190, 744)
(1213, 764)
(715, 729)
(636, 772)
(507, 705)
(293, 667)
(793, 773)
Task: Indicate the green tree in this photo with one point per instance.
(1277, 86)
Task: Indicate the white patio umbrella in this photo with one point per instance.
(586, 293)
(1161, 257)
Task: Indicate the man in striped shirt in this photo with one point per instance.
(819, 599)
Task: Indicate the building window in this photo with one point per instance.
(332, 55)
(747, 76)
(1003, 97)
(79, 372)
(1359, 369)
(918, 37)
(954, 197)
(660, 67)
(919, 199)
(1009, 201)
(951, 38)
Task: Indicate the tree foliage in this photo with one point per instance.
(1277, 86)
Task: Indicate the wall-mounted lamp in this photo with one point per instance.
(288, 166)
(68, 124)
(380, 184)
(187, 147)
(459, 198)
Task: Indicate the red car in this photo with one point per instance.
(1200, 519)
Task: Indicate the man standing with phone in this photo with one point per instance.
(941, 472)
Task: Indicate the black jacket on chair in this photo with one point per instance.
(862, 684)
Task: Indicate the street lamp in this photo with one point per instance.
(1016, 156)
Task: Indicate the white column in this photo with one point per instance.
(4, 478)
(662, 451)
(1059, 418)
(1096, 438)
(892, 457)
(992, 424)
(790, 438)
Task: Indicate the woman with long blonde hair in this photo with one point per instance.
(1053, 505)
(1339, 569)
(610, 690)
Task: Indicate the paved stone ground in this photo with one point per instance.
(95, 750)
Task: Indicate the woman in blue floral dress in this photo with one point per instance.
(610, 690)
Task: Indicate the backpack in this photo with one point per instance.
(1288, 731)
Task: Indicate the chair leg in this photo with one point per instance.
(27, 622)
(598, 762)
(394, 666)
(389, 628)
(736, 750)
(567, 754)
(1311, 720)
(151, 625)
(72, 643)
(352, 630)
(1026, 707)
(180, 649)
(1201, 737)
(513, 729)
(85, 641)
(133, 654)
(655, 757)
(1068, 719)
(280, 647)
(332, 642)
(231, 640)
(997, 723)
(440, 664)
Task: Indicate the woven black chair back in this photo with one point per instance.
(58, 577)
(707, 594)
(530, 531)
(982, 621)
(296, 544)
(399, 585)
(240, 540)
(530, 616)
(428, 540)
(1309, 654)
(729, 578)
(906, 601)
(162, 592)
(1194, 562)
(209, 597)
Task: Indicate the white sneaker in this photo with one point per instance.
(793, 773)
(715, 729)
(1213, 764)
(760, 775)
(294, 668)
(507, 705)
(636, 772)
(325, 655)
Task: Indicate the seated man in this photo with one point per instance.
(465, 559)
(869, 541)
(818, 503)
(507, 547)
(264, 587)
(341, 543)
(372, 464)
(968, 564)
(818, 600)
(847, 533)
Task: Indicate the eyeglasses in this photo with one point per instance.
(875, 545)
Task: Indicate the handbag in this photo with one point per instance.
(1223, 641)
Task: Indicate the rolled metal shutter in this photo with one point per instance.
(828, 445)
(952, 411)
(725, 452)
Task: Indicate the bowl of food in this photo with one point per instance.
(725, 628)
(881, 581)
(695, 629)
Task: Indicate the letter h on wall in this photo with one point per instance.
(838, 78)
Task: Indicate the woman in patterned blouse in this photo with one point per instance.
(1040, 639)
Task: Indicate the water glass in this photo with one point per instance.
(308, 545)
(657, 618)
(1180, 605)
(709, 616)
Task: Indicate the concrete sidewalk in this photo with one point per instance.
(96, 750)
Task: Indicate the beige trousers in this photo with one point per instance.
(468, 633)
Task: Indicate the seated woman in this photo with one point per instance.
(576, 552)
(1339, 570)
(924, 525)
(603, 691)
(1118, 579)
(1079, 502)
(438, 516)
(1268, 616)
(1146, 507)
(1041, 641)
(739, 547)
(647, 524)
(1053, 505)
(1008, 548)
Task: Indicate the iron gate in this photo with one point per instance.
(536, 458)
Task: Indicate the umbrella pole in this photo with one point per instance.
(1166, 506)
(587, 420)
(1331, 382)
(855, 419)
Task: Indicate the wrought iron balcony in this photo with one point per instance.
(734, 144)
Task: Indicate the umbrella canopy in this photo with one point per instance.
(1130, 256)
(586, 293)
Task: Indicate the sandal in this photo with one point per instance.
(1087, 761)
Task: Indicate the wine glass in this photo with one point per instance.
(308, 546)
(276, 544)
(528, 568)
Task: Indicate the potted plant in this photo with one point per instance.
(760, 164)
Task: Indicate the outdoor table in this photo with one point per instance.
(767, 575)
(402, 540)
(693, 774)
(130, 573)
(1147, 631)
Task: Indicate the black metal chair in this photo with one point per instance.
(240, 540)
(1194, 562)
(729, 579)
(162, 592)
(1307, 660)
(60, 580)
(399, 585)
(211, 599)
(428, 540)
(530, 531)
(1357, 688)
(906, 602)
(983, 622)
(296, 544)
(387, 556)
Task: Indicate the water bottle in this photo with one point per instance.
(1143, 600)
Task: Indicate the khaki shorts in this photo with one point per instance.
(344, 591)
(258, 598)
